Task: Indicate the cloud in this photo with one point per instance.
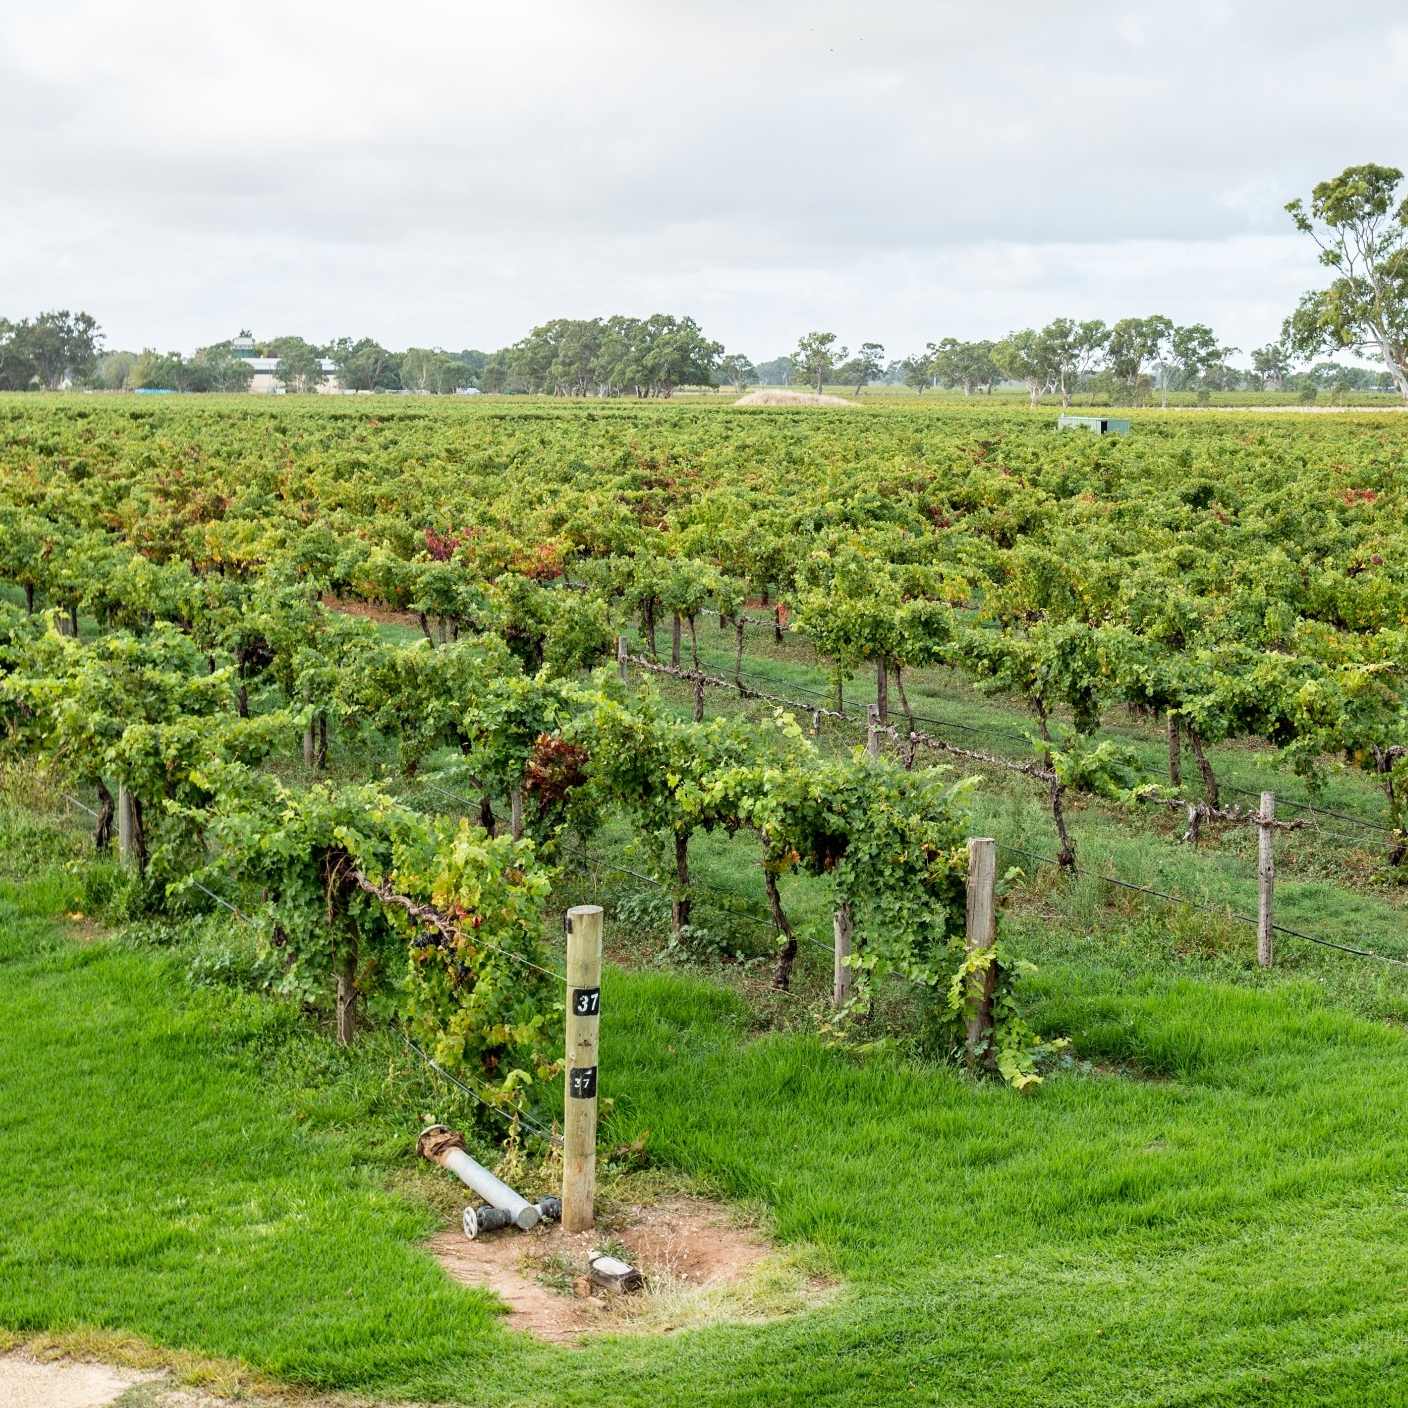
(454, 172)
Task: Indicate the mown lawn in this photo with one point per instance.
(1217, 1213)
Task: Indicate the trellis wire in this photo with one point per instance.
(1022, 738)
(519, 1116)
(1207, 908)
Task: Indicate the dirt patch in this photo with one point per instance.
(700, 1265)
(26, 1382)
(365, 609)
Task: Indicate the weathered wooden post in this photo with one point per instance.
(842, 928)
(1266, 881)
(583, 924)
(308, 745)
(621, 654)
(982, 933)
(126, 837)
(698, 698)
(882, 688)
(515, 805)
(872, 730)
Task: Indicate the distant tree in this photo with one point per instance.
(497, 375)
(171, 372)
(17, 369)
(1186, 353)
(738, 371)
(1363, 236)
(429, 370)
(652, 356)
(678, 354)
(300, 364)
(114, 371)
(1026, 356)
(1073, 350)
(54, 348)
(558, 357)
(1133, 343)
(1271, 365)
(918, 370)
(365, 365)
(777, 372)
(1221, 377)
(816, 356)
(221, 369)
(966, 364)
(866, 366)
(474, 360)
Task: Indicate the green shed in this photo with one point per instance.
(1097, 425)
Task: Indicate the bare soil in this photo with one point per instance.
(373, 613)
(31, 1383)
(686, 1248)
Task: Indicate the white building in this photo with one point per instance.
(266, 370)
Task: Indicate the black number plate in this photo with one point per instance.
(581, 1083)
(586, 1002)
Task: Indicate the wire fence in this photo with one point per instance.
(711, 894)
(1206, 908)
(750, 675)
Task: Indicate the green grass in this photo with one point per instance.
(1218, 1213)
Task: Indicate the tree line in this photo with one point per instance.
(1355, 219)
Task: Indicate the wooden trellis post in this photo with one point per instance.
(982, 933)
(621, 654)
(842, 928)
(872, 730)
(126, 832)
(1266, 882)
(583, 923)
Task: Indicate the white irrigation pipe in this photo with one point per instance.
(474, 1175)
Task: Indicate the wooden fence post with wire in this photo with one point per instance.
(982, 933)
(583, 924)
(621, 652)
(1266, 881)
(842, 929)
(126, 831)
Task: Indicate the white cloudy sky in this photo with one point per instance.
(450, 173)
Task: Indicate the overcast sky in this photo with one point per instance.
(453, 173)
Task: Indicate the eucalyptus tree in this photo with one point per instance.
(817, 356)
(1272, 364)
(966, 364)
(737, 371)
(1074, 350)
(1190, 352)
(1134, 342)
(1362, 233)
(1026, 356)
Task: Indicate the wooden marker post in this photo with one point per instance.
(1266, 882)
(621, 653)
(872, 730)
(579, 1101)
(982, 933)
(842, 927)
(515, 813)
